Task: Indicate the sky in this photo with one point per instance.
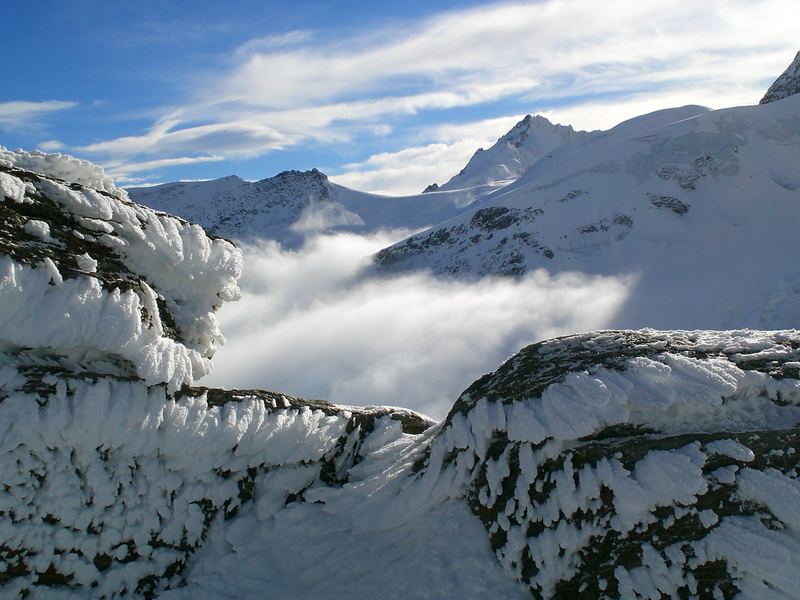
(382, 96)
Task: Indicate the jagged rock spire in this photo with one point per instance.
(786, 85)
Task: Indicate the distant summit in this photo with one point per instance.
(528, 141)
(292, 205)
(786, 85)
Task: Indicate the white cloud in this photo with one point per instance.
(408, 171)
(51, 145)
(22, 113)
(309, 324)
(614, 56)
(120, 169)
(236, 138)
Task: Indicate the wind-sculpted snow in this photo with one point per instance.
(634, 464)
(618, 464)
(92, 278)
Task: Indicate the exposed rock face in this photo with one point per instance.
(786, 85)
(600, 465)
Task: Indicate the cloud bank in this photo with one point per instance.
(310, 324)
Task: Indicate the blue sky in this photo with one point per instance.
(383, 96)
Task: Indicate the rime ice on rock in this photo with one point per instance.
(149, 310)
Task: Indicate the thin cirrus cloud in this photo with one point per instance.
(122, 171)
(570, 59)
(23, 113)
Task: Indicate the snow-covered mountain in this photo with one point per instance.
(698, 207)
(528, 141)
(618, 464)
(786, 85)
(293, 204)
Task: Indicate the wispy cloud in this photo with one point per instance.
(22, 113)
(122, 170)
(272, 42)
(50, 145)
(567, 58)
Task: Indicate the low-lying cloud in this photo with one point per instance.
(311, 324)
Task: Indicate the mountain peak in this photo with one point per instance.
(312, 175)
(520, 132)
(529, 140)
(786, 85)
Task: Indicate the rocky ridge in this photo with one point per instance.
(293, 205)
(786, 85)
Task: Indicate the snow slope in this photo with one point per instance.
(619, 464)
(294, 204)
(700, 207)
(528, 141)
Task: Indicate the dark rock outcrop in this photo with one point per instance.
(786, 85)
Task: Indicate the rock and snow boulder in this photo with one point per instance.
(617, 464)
(635, 464)
(92, 279)
(786, 85)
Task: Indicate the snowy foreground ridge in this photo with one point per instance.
(618, 464)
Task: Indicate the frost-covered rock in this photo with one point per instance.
(786, 85)
(89, 278)
(629, 464)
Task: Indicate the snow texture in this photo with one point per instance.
(150, 311)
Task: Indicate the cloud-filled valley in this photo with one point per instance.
(311, 323)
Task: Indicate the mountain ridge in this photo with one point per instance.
(294, 204)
